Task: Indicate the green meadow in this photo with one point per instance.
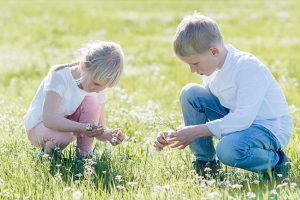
(38, 34)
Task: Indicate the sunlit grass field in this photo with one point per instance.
(38, 34)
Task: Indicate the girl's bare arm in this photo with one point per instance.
(53, 120)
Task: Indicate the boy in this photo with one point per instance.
(240, 103)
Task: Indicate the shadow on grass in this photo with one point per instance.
(98, 169)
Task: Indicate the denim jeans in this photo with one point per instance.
(254, 149)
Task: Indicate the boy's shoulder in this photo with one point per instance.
(243, 59)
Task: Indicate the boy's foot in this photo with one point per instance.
(207, 169)
(281, 169)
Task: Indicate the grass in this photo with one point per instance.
(38, 34)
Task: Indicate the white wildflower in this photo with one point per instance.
(120, 187)
(77, 195)
(207, 169)
(255, 182)
(118, 177)
(293, 184)
(211, 182)
(251, 195)
(213, 195)
(132, 184)
(282, 185)
(236, 186)
(279, 175)
(273, 192)
(5, 193)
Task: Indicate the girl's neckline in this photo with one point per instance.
(74, 80)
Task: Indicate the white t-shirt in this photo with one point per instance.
(247, 88)
(62, 83)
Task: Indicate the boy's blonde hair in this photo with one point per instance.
(195, 34)
(103, 61)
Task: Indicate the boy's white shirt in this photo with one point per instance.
(247, 88)
(62, 83)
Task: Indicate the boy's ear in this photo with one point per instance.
(214, 51)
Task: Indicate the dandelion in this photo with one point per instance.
(251, 195)
(77, 195)
(103, 172)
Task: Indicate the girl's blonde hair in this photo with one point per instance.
(103, 61)
(195, 34)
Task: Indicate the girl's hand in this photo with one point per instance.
(161, 140)
(115, 136)
(92, 130)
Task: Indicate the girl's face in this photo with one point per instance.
(91, 86)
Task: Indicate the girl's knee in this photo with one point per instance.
(64, 140)
(90, 109)
(35, 139)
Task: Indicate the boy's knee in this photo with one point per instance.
(228, 153)
(190, 91)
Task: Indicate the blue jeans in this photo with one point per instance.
(254, 149)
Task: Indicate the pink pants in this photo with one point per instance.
(87, 112)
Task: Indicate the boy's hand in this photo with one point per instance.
(161, 140)
(184, 136)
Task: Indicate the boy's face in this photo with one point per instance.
(202, 64)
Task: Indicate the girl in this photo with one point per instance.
(69, 102)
